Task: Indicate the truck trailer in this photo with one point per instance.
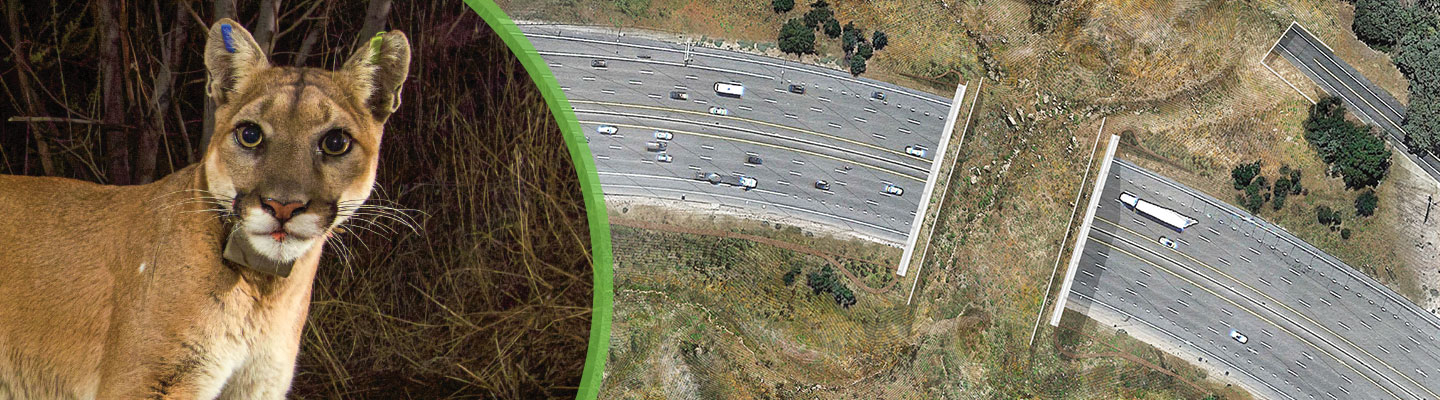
(729, 89)
(1175, 220)
(741, 181)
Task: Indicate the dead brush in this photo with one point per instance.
(483, 290)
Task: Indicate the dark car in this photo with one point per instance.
(679, 96)
(797, 89)
(754, 160)
(597, 63)
(822, 185)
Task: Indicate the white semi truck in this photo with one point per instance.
(729, 89)
(1175, 220)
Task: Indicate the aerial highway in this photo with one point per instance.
(1209, 282)
(820, 144)
(1372, 104)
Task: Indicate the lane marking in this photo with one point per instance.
(806, 152)
(1286, 307)
(746, 120)
(1252, 312)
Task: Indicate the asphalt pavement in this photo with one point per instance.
(1372, 104)
(1314, 327)
(836, 131)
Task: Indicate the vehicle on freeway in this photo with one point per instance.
(895, 190)
(713, 178)
(753, 159)
(597, 63)
(719, 111)
(915, 150)
(797, 89)
(1239, 337)
(729, 89)
(1164, 241)
(679, 96)
(664, 135)
(607, 129)
(877, 96)
(665, 158)
(822, 185)
(1175, 220)
(748, 182)
(655, 146)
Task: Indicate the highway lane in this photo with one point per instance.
(834, 132)
(1368, 101)
(854, 193)
(1335, 318)
(825, 110)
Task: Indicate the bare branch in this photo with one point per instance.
(12, 11)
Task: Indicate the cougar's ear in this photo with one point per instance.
(231, 57)
(378, 69)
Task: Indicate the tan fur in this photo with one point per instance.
(121, 292)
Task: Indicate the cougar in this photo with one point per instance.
(196, 286)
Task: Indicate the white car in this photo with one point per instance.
(748, 182)
(607, 130)
(719, 111)
(1234, 334)
(915, 150)
(1164, 241)
(895, 190)
(665, 158)
(664, 135)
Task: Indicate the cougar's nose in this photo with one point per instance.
(282, 210)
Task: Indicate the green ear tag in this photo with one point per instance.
(375, 44)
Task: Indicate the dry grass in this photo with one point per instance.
(492, 297)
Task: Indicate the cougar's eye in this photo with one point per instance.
(248, 135)
(335, 143)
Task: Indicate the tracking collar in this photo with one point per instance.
(239, 251)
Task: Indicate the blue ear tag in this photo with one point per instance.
(225, 35)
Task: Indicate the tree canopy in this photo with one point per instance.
(796, 39)
(819, 13)
(857, 65)
(832, 28)
(782, 6)
(1352, 150)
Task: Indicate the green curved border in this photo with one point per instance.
(600, 248)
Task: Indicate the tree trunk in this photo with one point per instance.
(221, 9)
(376, 14)
(163, 92)
(112, 90)
(27, 93)
(266, 24)
(312, 35)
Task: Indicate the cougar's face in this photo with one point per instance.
(296, 155)
(294, 149)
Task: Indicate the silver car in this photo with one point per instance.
(665, 158)
(895, 190)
